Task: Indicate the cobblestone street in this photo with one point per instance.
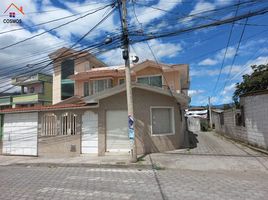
(216, 169)
(19, 183)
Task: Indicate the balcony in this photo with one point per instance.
(29, 79)
(30, 98)
(5, 101)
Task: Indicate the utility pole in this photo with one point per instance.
(131, 120)
(210, 116)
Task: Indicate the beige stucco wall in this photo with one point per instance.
(56, 93)
(143, 100)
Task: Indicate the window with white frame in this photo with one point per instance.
(68, 124)
(49, 125)
(151, 80)
(101, 85)
(162, 121)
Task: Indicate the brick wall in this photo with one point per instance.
(255, 131)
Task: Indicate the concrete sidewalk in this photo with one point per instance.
(80, 161)
(213, 152)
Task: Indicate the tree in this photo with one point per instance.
(258, 80)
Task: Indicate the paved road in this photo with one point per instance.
(21, 183)
(214, 152)
(216, 169)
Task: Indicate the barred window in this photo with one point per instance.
(49, 125)
(68, 124)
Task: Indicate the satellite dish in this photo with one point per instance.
(134, 58)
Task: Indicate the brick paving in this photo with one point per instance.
(43, 183)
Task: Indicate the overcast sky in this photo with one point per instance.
(203, 49)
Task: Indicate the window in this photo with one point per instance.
(68, 124)
(86, 89)
(67, 69)
(151, 80)
(101, 85)
(121, 81)
(67, 90)
(162, 121)
(67, 85)
(49, 125)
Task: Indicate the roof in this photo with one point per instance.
(65, 52)
(117, 71)
(181, 98)
(19, 9)
(43, 108)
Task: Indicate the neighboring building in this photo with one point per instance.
(248, 124)
(91, 116)
(67, 62)
(5, 101)
(36, 89)
(196, 118)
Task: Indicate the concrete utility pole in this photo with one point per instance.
(131, 121)
(210, 116)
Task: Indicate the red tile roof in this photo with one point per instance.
(41, 108)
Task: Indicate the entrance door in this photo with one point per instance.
(117, 131)
(90, 132)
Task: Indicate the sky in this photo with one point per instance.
(202, 49)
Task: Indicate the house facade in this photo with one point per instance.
(36, 89)
(91, 116)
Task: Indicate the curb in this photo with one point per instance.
(88, 165)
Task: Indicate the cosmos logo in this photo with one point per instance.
(13, 10)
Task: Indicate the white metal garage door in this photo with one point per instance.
(90, 132)
(20, 134)
(117, 131)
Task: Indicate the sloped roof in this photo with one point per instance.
(43, 108)
(181, 98)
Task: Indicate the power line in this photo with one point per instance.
(78, 41)
(37, 35)
(234, 58)
(225, 53)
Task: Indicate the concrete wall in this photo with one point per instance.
(143, 100)
(255, 131)
(60, 145)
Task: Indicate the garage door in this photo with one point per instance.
(90, 132)
(117, 131)
(20, 134)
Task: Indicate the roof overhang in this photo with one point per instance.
(182, 99)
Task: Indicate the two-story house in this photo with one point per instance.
(89, 114)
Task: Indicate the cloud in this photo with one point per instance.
(200, 7)
(147, 14)
(218, 57)
(160, 49)
(208, 61)
(192, 93)
(228, 89)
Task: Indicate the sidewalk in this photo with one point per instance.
(81, 161)
(213, 152)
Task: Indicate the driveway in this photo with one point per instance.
(213, 152)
